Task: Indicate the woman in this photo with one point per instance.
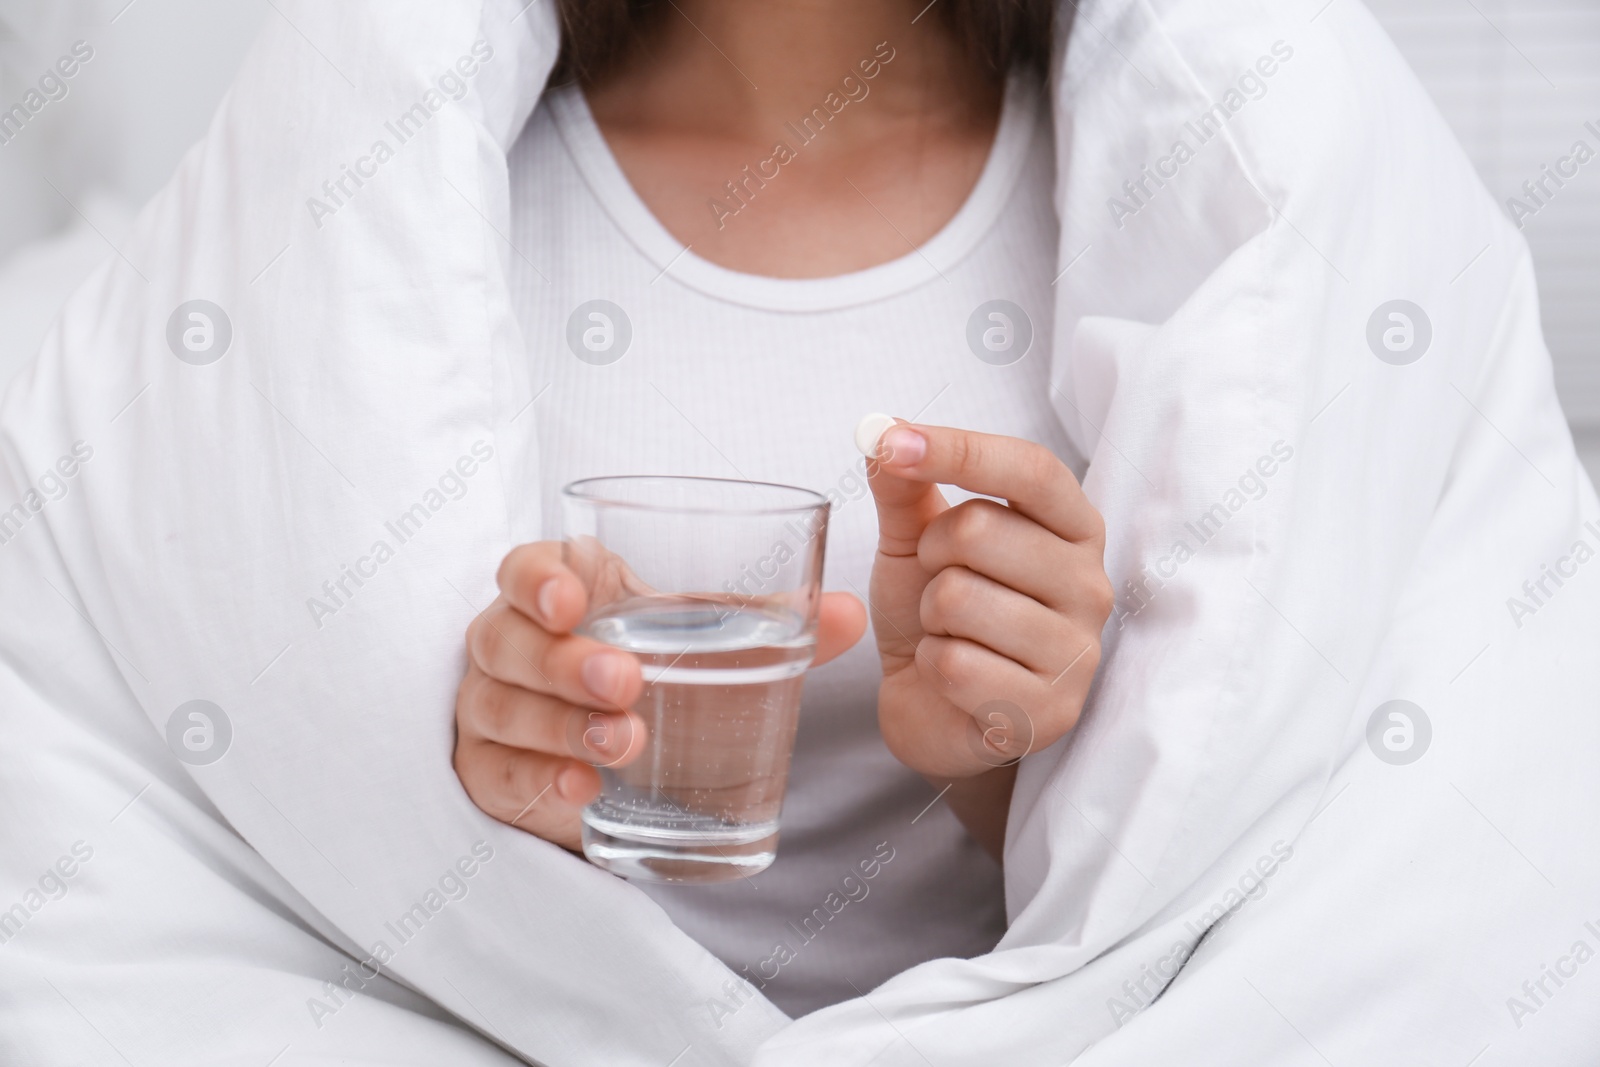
(1327, 796)
(939, 154)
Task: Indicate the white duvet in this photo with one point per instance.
(241, 539)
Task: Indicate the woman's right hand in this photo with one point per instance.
(541, 707)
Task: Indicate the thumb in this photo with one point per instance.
(841, 620)
(905, 506)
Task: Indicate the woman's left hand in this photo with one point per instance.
(988, 616)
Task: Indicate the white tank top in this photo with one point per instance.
(690, 368)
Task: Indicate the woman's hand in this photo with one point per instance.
(987, 616)
(540, 706)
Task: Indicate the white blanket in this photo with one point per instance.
(289, 507)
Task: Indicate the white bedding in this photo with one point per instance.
(1214, 325)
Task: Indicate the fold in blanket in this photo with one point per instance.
(232, 708)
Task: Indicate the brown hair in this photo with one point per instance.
(1000, 34)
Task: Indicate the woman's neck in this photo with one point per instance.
(741, 69)
(857, 129)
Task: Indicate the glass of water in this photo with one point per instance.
(714, 585)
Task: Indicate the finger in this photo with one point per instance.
(905, 505)
(509, 715)
(841, 620)
(1007, 546)
(508, 646)
(962, 603)
(981, 682)
(969, 675)
(532, 791)
(534, 580)
(1027, 475)
(938, 737)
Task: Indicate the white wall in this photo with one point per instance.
(1517, 79)
(72, 177)
(131, 112)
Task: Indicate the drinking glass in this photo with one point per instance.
(714, 585)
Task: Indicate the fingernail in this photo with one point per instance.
(546, 600)
(600, 735)
(903, 446)
(571, 784)
(604, 674)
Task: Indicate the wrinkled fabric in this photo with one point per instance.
(1365, 516)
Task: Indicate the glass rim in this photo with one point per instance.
(584, 490)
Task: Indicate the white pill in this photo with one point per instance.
(869, 430)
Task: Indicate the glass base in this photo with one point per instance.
(676, 855)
